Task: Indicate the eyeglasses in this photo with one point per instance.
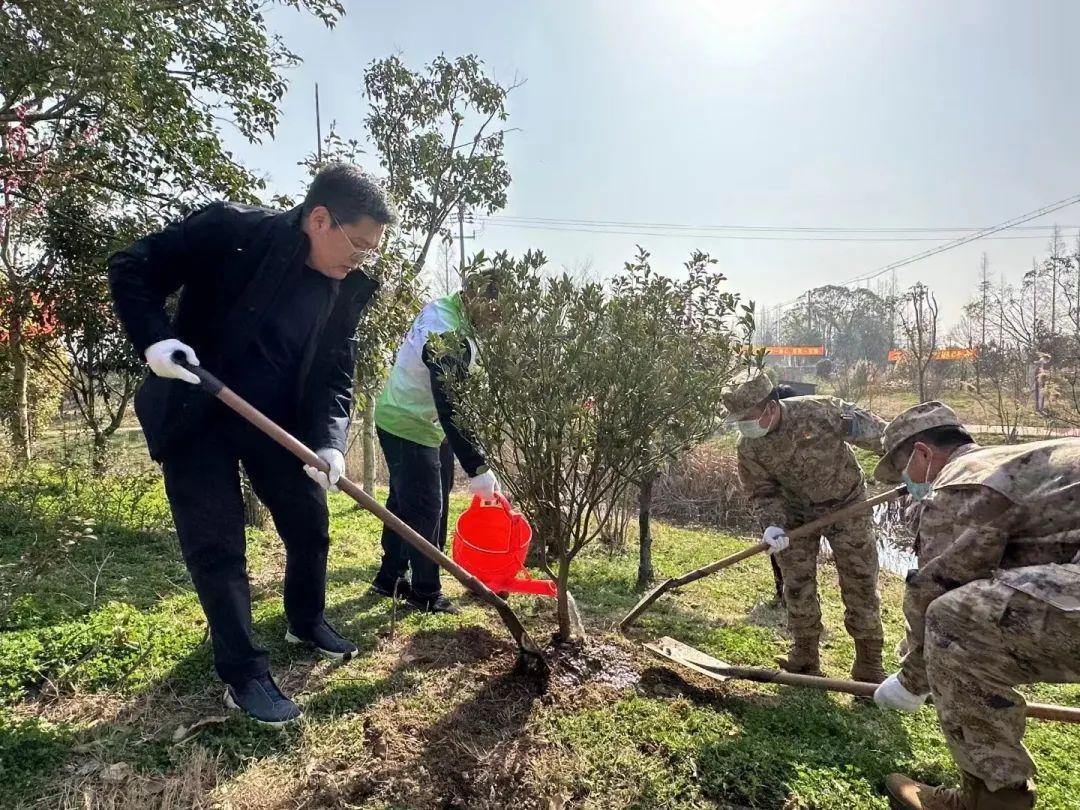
(360, 257)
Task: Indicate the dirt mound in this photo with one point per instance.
(593, 661)
(477, 753)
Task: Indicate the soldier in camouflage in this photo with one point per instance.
(995, 601)
(796, 466)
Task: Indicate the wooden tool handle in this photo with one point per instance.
(233, 401)
(844, 512)
(807, 530)
(704, 664)
(1042, 711)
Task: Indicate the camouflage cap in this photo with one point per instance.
(916, 419)
(745, 391)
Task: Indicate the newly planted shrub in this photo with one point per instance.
(582, 392)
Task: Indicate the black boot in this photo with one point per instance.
(404, 589)
(433, 604)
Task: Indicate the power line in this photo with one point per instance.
(971, 237)
(567, 221)
(963, 240)
(772, 237)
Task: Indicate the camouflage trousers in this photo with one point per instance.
(856, 555)
(984, 638)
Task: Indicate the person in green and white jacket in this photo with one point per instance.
(419, 439)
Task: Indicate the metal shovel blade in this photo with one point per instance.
(685, 655)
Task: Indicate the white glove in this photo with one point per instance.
(776, 538)
(485, 484)
(892, 695)
(337, 468)
(159, 358)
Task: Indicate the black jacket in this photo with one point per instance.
(454, 362)
(229, 261)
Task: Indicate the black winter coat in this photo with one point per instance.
(229, 261)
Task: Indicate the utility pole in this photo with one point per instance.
(318, 126)
(1054, 258)
(984, 286)
(461, 234)
(1034, 304)
(1001, 312)
(461, 241)
(1035, 376)
(894, 302)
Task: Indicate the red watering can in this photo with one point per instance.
(491, 541)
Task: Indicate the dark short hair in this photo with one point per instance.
(783, 391)
(483, 283)
(349, 194)
(947, 437)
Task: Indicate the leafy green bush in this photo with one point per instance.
(583, 391)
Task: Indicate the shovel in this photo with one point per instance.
(810, 529)
(687, 656)
(530, 659)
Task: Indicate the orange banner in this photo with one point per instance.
(896, 355)
(796, 351)
(955, 354)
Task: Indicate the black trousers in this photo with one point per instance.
(421, 478)
(202, 481)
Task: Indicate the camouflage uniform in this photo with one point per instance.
(804, 470)
(995, 601)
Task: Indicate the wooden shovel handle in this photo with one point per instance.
(704, 664)
(1042, 711)
(236, 403)
(844, 512)
(810, 529)
(806, 530)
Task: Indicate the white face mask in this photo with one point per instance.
(750, 429)
(917, 489)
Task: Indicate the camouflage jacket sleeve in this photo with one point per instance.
(860, 427)
(763, 491)
(962, 536)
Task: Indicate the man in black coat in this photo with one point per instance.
(270, 302)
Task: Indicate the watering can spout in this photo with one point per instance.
(540, 587)
(491, 542)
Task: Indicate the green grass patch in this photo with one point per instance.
(111, 612)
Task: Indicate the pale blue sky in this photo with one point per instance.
(837, 114)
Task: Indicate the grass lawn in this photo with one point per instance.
(972, 408)
(104, 670)
(966, 404)
(887, 404)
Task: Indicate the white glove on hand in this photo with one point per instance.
(159, 358)
(892, 695)
(337, 468)
(485, 484)
(776, 538)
